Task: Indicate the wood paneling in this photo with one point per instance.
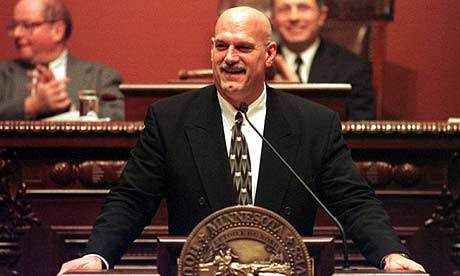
(406, 162)
(138, 97)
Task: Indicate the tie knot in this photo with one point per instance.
(298, 60)
(238, 119)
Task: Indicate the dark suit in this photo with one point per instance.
(181, 156)
(334, 64)
(82, 74)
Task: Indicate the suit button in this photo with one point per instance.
(202, 201)
(287, 210)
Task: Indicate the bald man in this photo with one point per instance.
(182, 156)
(44, 79)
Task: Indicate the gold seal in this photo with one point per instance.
(244, 240)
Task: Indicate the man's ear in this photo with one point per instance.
(270, 53)
(323, 15)
(58, 31)
(213, 40)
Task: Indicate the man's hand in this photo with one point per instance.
(50, 94)
(84, 263)
(399, 262)
(44, 74)
(282, 71)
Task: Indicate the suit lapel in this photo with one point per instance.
(76, 73)
(21, 80)
(273, 176)
(206, 138)
(323, 65)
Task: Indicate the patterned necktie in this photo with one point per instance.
(240, 163)
(299, 62)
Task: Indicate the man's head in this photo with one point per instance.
(40, 29)
(242, 48)
(298, 22)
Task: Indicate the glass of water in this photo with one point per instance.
(89, 105)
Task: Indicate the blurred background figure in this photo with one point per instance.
(45, 78)
(304, 56)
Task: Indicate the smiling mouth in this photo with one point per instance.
(234, 69)
(296, 30)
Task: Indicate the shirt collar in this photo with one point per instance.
(307, 55)
(60, 61)
(229, 111)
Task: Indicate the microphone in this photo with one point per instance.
(346, 265)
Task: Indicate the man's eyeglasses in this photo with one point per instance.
(27, 27)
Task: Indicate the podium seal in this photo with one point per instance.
(244, 240)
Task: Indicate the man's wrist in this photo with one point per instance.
(30, 109)
(383, 261)
(104, 262)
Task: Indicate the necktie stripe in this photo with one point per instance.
(240, 163)
(299, 62)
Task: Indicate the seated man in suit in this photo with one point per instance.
(307, 57)
(45, 79)
(183, 156)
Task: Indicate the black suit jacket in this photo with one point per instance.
(82, 74)
(334, 64)
(181, 156)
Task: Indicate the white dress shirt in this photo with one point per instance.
(307, 58)
(256, 114)
(57, 66)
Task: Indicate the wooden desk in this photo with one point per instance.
(114, 273)
(147, 273)
(138, 97)
(378, 273)
(69, 167)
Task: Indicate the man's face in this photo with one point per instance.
(240, 55)
(35, 44)
(298, 22)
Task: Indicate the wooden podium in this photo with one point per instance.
(321, 249)
(153, 273)
(138, 97)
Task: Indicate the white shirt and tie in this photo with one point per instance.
(256, 113)
(307, 59)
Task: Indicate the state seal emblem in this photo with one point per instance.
(244, 240)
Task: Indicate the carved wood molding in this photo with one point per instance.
(15, 210)
(382, 173)
(135, 127)
(400, 127)
(105, 173)
(447, 218)
(447, 213)
(70, 127)
(94, 173)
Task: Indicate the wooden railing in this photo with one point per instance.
(411, 165)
